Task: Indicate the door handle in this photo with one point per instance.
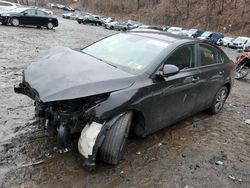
(221, 72)
(195, 79)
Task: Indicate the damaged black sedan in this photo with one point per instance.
(135, 82)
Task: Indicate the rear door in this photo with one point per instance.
(28, 17)
(42, 18)
(212, 75)
(173, 98)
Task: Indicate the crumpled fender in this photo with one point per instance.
(91, 139)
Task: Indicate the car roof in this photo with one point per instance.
(161, 35)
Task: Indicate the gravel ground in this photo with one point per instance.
(183, 154)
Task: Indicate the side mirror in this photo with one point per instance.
(25, 13)
(170, 70)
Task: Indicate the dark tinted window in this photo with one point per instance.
(208, 55)
(30, 12)
(183, 58)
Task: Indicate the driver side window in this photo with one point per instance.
(183, 58)
(30, 12)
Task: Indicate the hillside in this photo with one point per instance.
(205, 14)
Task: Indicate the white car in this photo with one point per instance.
(225, 41)
(7, 6)
(71, 16)
(246, 46)
(174, 30)
(239, 42)
(110, 25)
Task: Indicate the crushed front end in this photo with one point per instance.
(64, 118)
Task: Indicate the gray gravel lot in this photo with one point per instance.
(183, 154)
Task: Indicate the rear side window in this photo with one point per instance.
(183, 58)
(209, 55)
(41, 13)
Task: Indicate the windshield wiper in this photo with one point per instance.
(100, 59)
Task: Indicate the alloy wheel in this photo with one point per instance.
(221, 98)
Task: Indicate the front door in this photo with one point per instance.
(174, 97)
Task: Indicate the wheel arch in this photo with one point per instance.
(228, 86)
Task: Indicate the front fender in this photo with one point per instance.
(117, 103)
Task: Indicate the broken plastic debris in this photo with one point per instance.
(247, 121)
(219, 163)
(138, 153)
(232, 177)
(160, 144)
(122, 172)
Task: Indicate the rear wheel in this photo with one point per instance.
(50, 25)
(15, 22)
(113, 147)
(241, 72)
(219, 100)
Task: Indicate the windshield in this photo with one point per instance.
(130, 51)
(206, 34)
(240, 40)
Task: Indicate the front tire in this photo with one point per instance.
(219, 101)
(15, 22)
(113, 147)
(50, 25)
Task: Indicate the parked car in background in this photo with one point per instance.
(146, 30)
(195, 33)
(174, 30)
(150, 27)
(110, 25)
(29, 16)
(215, 37)
(70, 15)
(120, 26)
(129, 83)
(8, 6)
(88, 19)
(246, 46)
(224, 41)
(62, 7)
(239, 42)
(184, 33)
(46, 10)
(206, 35)
(106, 20)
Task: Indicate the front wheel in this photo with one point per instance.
(113, 147)
(241, 72)
(15, 22)
(50, 25)
(219, 101)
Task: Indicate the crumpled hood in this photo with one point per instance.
(63, 74)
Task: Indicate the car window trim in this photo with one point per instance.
(159, 68)
(199, 56)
